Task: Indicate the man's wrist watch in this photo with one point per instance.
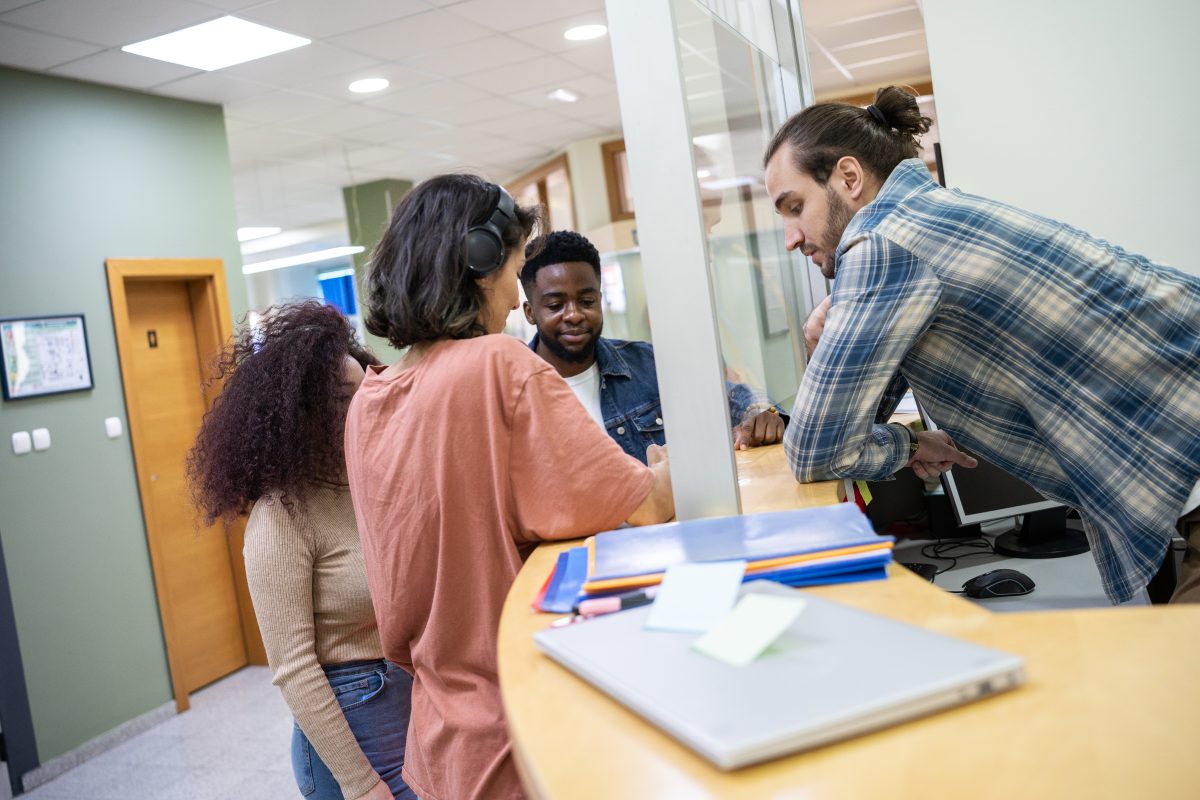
(913, 442)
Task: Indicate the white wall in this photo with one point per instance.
(1082, 110)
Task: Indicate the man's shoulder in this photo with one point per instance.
(619, 355)
(628, 347)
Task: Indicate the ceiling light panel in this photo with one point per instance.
(582, 33)
(217, 44)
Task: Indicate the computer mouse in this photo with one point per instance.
(999, 583)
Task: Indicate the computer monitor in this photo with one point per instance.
(988, 493)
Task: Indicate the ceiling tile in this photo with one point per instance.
(400, 131)
(110, 22)
(557, 134)
(361, 157)
(213, 87)
(510, 16)
(279, 107)
(233, 5)
(425, 100)
(481, 111)
(591, 106)
(549, 35)
(480, 54)
(584, 85)
(344, 119)
(309, 63)
(321, 19)
(597, 57)
(524, 120)
(513, 77)
(412, 36)
(400, 79)
(32, 50)
(264, 143)
(123, 69)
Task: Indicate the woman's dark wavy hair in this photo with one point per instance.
(822, 134)
(278, 421)
(419, 287)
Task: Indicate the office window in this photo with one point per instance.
(549, 185)
(616, 176)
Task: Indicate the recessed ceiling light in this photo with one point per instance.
(303, 258)
(368, 85)
(562, 96)
(217, 44)
(581, 33)
(246, 234)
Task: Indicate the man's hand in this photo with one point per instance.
(655, 453)
(815, 324)
(762, 428)
(936, 454)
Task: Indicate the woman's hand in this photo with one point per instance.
(379, 791)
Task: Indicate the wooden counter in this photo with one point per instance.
(1111, 708)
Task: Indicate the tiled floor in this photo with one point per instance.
(232, 745)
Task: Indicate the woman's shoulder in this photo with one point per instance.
(274, 515)
(499, 349)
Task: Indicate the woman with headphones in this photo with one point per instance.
(462, 456)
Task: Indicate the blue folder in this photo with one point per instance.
(630, 552)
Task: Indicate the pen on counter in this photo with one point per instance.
(617, 602)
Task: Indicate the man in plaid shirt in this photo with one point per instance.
(1061, 358)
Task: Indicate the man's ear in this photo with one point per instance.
(850, 178)
(528, 309)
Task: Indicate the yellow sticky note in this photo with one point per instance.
(753, 625)
(864, 490)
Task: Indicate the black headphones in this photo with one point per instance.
(485, 241)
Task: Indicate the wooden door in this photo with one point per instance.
(198, 583)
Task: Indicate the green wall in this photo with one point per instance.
(88, 173)
(368, 210)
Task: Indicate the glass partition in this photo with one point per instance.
(703, 84)
(739, 91)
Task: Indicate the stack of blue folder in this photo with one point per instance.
(803, 547)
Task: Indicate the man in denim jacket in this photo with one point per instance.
(614, 379)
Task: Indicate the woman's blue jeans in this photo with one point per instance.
(376, 698)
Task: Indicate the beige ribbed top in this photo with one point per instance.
(309, 588)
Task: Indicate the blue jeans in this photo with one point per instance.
(376, 698)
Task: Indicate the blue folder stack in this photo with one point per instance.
(803, 547)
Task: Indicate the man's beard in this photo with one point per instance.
(581, 356)
(836, 220)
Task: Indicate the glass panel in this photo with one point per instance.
(738, 94)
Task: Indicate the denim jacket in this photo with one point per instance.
(629, 398)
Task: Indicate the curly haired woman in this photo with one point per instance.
(271, 448)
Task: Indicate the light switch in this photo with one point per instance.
(112, 427)
(41, 438)
(21, 443)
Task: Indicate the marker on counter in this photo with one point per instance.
(618, 602)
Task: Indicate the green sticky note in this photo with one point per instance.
(753, 625)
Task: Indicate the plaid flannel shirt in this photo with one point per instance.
(1061, 358)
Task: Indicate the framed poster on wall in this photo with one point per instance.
(44, 355)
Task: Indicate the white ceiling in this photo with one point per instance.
(468, 81)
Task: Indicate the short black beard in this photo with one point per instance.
(573, 357)
(836, 220)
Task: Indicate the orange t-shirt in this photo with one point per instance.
(457, 466)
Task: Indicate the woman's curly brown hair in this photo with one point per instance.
(278, 421)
